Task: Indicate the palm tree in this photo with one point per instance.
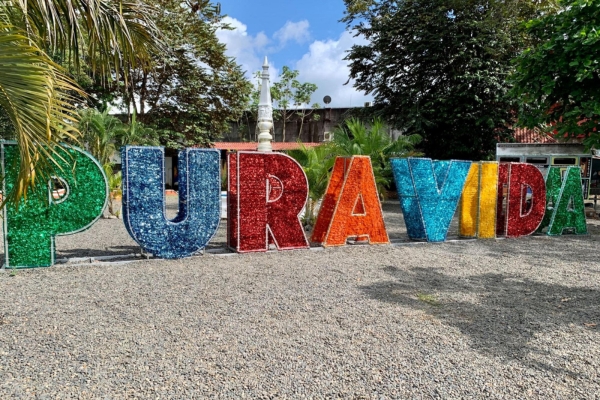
(136, 133)
(115, 180)
(317, 163)
(356, 138)
(99, 131)
(38, 96)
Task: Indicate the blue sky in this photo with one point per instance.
(304, 35)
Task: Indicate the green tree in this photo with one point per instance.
(115, 183)
(317, 163)
(291, 95)
(137, 133)
(36, 94)
(438, 68)
(251, 111)
(557, 79)
(99, 132)
(374, 140)
(193, 90)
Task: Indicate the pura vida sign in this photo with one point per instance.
(267, 191)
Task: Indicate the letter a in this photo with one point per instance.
(351, 205)
(569, 211)
(30, 229)
(144, 200)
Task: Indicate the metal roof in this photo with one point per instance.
(524, 135)
(277, 146)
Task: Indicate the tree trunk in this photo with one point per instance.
(284, 119)
(143, 94)
(301, 126)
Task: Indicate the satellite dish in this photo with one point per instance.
(326, 99)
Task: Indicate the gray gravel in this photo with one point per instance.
(465, 319)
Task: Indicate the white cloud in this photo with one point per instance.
(324, 65)
(244, 47)
(293, 31)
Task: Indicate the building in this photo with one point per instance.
(314, 127)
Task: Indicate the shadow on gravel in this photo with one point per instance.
(500, 313)
(111, 251)
(545, 250)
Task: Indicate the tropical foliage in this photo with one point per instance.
(438, 68)
(291, 95)
(37, 95)
(103, 134)
(317, 163)
(115, 180)
(137, 133)
(557, 81)
(193, 89)
(99, 131)
(354, 138)
(374, 140)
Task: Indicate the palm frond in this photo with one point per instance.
(36, 95)
(114, 34)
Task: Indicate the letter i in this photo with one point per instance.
(478, 201)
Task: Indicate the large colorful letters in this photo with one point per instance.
(351, 206)
(30, 229)
(568, 208)
(526, 199)
(478, 201)
(429, 192)
(553, 188)
(521, 199)
(525, 203)
(267, 192)
(144, 200)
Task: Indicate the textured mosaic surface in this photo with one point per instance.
(432, 187)
(332, 194)
(144, 212)
(553, 188)
(30, 229)
(569, 212)
(268, 192)
(488, 195)
(502, 200)
(526, 199)
(232, 201)
(351, 207)
(409, 202)
(469, 203)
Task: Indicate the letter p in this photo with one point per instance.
(29, 230)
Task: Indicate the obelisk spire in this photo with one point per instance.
(265, 111)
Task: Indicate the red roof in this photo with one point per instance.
(277, 146)
(524, 135)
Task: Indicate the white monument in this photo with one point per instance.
(265, 111)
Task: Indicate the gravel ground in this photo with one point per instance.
(463, 319)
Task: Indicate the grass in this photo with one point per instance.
(428, 298)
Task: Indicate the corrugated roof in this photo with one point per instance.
(524, 135)
(277, 146)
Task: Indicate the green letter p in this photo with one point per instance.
(68, 203)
